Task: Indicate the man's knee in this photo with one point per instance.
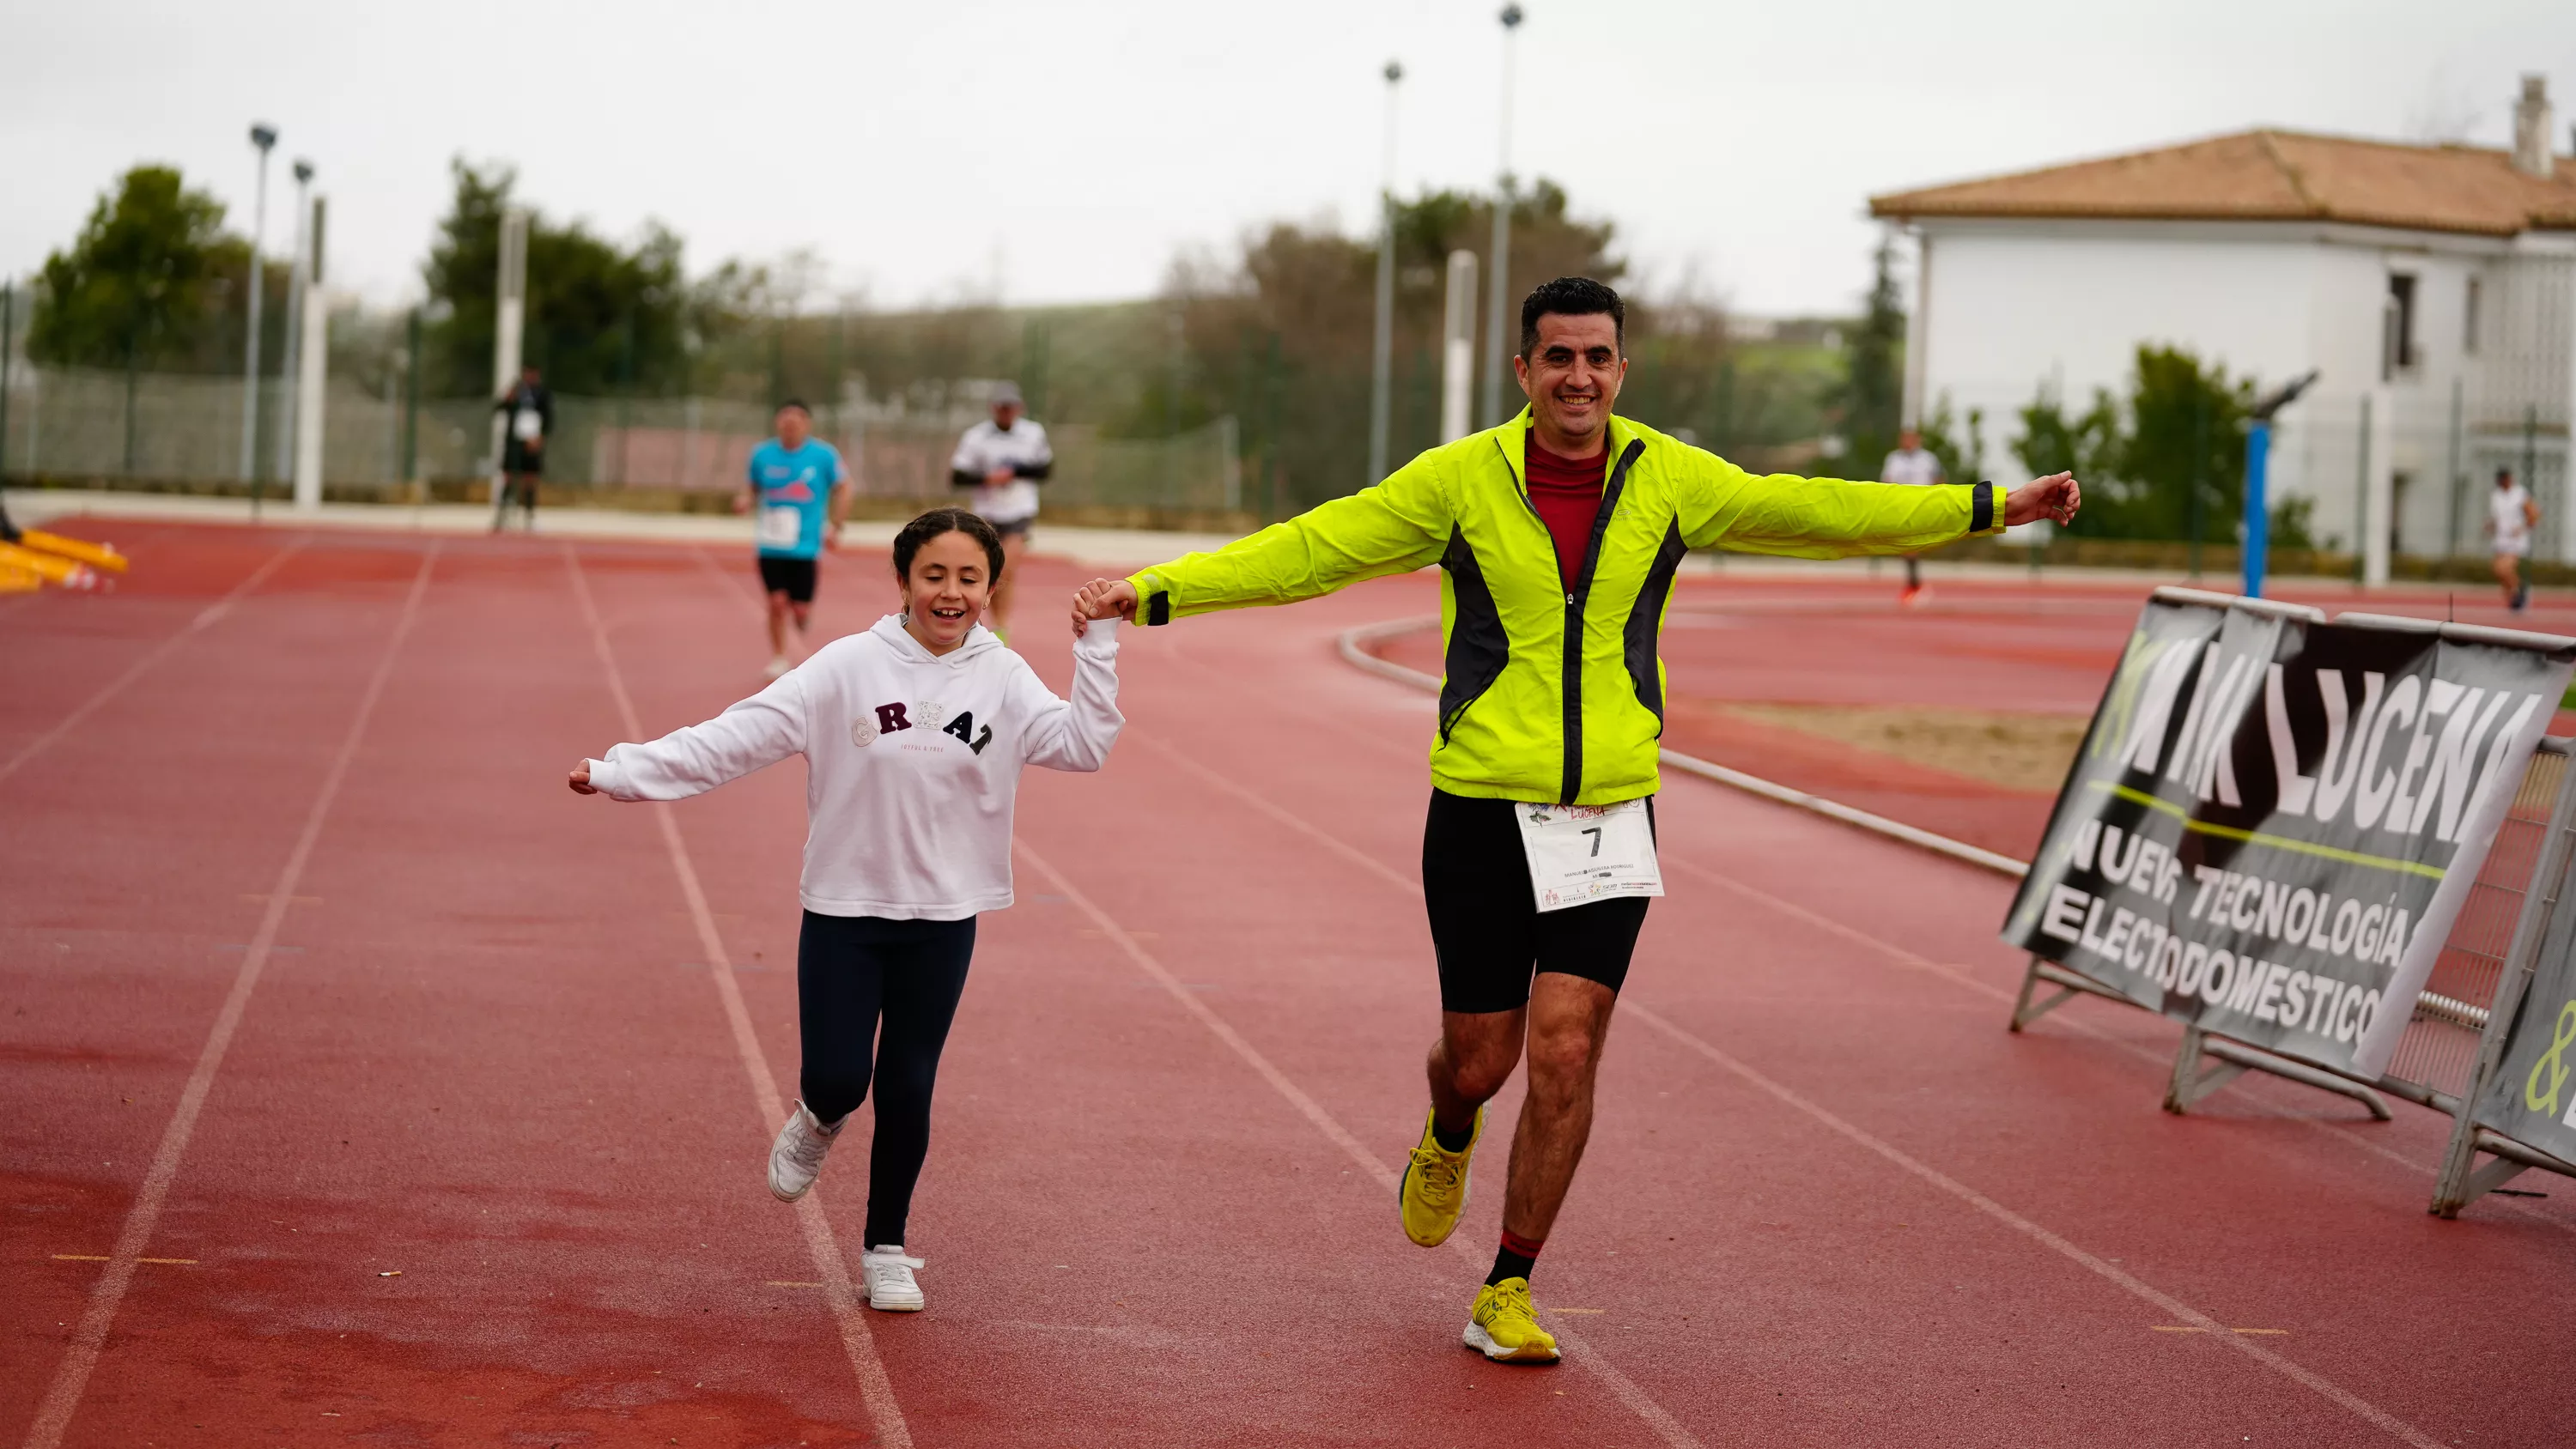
(1562, 1057)
(1478, 1064)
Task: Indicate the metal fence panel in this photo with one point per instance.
(2440, 1047)
(164, 429)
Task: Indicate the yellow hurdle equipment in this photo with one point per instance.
(96, 555)
(49, 567)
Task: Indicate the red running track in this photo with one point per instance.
(481, 1038)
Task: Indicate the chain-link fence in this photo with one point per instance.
(2438, 447)
(153, 430)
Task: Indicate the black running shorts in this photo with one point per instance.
(793, 577)
(1486, 926)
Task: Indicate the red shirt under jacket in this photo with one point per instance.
(1567, 494)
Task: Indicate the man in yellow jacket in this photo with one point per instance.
(1558, 535)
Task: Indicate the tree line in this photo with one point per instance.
(1274, 333)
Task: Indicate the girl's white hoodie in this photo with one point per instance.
(912, 762)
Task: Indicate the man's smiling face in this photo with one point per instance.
(1572, 377)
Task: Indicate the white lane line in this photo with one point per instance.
(2015, 1221)
(2161, 1060)
(1666, 1427)
(134, 671)
(71, 1378)
(876, 1391)
(1960, 1190)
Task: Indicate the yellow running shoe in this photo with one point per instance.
(1433, 1190)
(1505, 1328)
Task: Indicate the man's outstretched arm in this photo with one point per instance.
(1394, 527)
(1831, 518)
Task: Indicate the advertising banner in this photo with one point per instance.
(2532, 1098)
(2274, 818)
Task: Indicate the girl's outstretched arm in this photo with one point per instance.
(1076, 734)
(758, 732)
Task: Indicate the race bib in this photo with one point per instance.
(528, 424)
(1580, 853)
(781, 527)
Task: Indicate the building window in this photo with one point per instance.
(2469, 323)
(2397, 351)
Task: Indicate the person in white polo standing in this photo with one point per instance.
(1004, 460)
(1914, 464)
(2511, 516)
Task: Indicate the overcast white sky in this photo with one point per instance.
(1067, 151)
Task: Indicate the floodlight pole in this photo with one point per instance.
(262, 136)
(509, 325)
(1382, 343)
(2258, 459)
(315, 360)
(1498, 329)
(297, 277)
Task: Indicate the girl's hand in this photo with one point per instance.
(580, 780)
(1103, 599)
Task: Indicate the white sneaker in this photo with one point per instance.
(778, 665)
(891, 1288)
(797, 1155)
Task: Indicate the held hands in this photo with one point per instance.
(1103, 599)
(2055, 498)
(580, 780)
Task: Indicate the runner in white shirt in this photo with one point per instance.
(1004, 461)
(2511, 516)
(1911, 463)
(914, 734)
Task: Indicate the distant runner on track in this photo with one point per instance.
(1004, 461)
(1558, 535)
(2511, 516)
(528, 413)
(797, 491)
(1915, 466)
(914, 734)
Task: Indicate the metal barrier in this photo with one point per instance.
(2538, 939)
(2436, 1059)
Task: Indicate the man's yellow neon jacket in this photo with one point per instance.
(1551, 695)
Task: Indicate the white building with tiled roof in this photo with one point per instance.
(2432, 287)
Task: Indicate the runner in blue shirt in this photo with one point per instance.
(797, 493)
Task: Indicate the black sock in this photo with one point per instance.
(1453, 1141)
(1515, 1258)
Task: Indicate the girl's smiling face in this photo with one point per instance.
(945, 591)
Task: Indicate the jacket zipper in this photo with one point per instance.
(1572, 679)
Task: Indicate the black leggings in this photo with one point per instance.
(852, 972)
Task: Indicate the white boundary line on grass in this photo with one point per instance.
(1353, 645)
(71, 1378)
(876, 1391)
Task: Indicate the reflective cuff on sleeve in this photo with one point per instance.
(1981, 508)
(1153, 599)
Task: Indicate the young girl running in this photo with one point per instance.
(914, 734)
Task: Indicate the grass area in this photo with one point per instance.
(2024, 752)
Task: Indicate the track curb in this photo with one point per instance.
(1352, 644)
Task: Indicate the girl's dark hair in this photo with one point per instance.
(946, 520)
